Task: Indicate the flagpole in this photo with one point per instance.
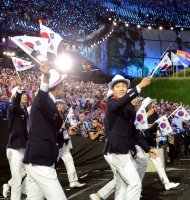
(184, 73)
(18, 74)
(172, 64)
(68, 114)
(173, 112)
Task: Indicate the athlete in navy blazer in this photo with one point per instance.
(121, 135)
(41, 150)
(123, 131)
(17, 116)
(45, 121)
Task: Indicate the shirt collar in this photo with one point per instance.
(114, 97)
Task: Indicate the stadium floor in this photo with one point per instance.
(152, 188)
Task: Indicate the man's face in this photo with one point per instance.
(60, 106)
(23, 99)
(88, 116)
(120, 89)
(154, 106)
(81, 117)
(96, 113)
(94, 123)
(134, 102)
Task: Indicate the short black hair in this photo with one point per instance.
(174, 125)
(119, 82)
(96, 119)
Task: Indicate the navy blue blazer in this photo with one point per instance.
(44, 123)
(17, 117)
(121, 132)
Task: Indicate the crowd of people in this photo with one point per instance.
(88, 101)
(82, 109)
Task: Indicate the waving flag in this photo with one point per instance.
(29, 44)
(181, 113)
(71, 117)
(141, 119)
(20, 64)
(164, 125)
(184, 54)
(54, 39)
(163, 64)
(178, 60)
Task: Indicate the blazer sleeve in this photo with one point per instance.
(114, 105)
(49, 112)
(142, 142)
(16, 103)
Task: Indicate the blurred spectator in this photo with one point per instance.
(97, 131)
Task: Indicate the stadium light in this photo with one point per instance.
(12, 54)
(64, 62)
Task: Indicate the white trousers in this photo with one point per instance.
(65, 155)
(127, 181)
(23, 186)
(15, 158)
(141, 165)
(160, 169)
(42, 181)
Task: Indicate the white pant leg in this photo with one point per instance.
(141, 162)
(23, 186)
(128, 184)
(15, 158)
(160, 169)
(69, 164)
(109, 188)
(32, 189)
(46, 178)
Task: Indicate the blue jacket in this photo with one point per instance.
(44, 123)
(121, 131)
(17, 117)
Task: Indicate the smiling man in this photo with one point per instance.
(121, 134)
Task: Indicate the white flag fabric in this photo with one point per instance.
(30, 43)
(174, 57)
(24, 47)
(20, 64)
(54, 39)
(71, 117)
(141, 119)
(182, 113)
(164, 125)
(163, 64)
